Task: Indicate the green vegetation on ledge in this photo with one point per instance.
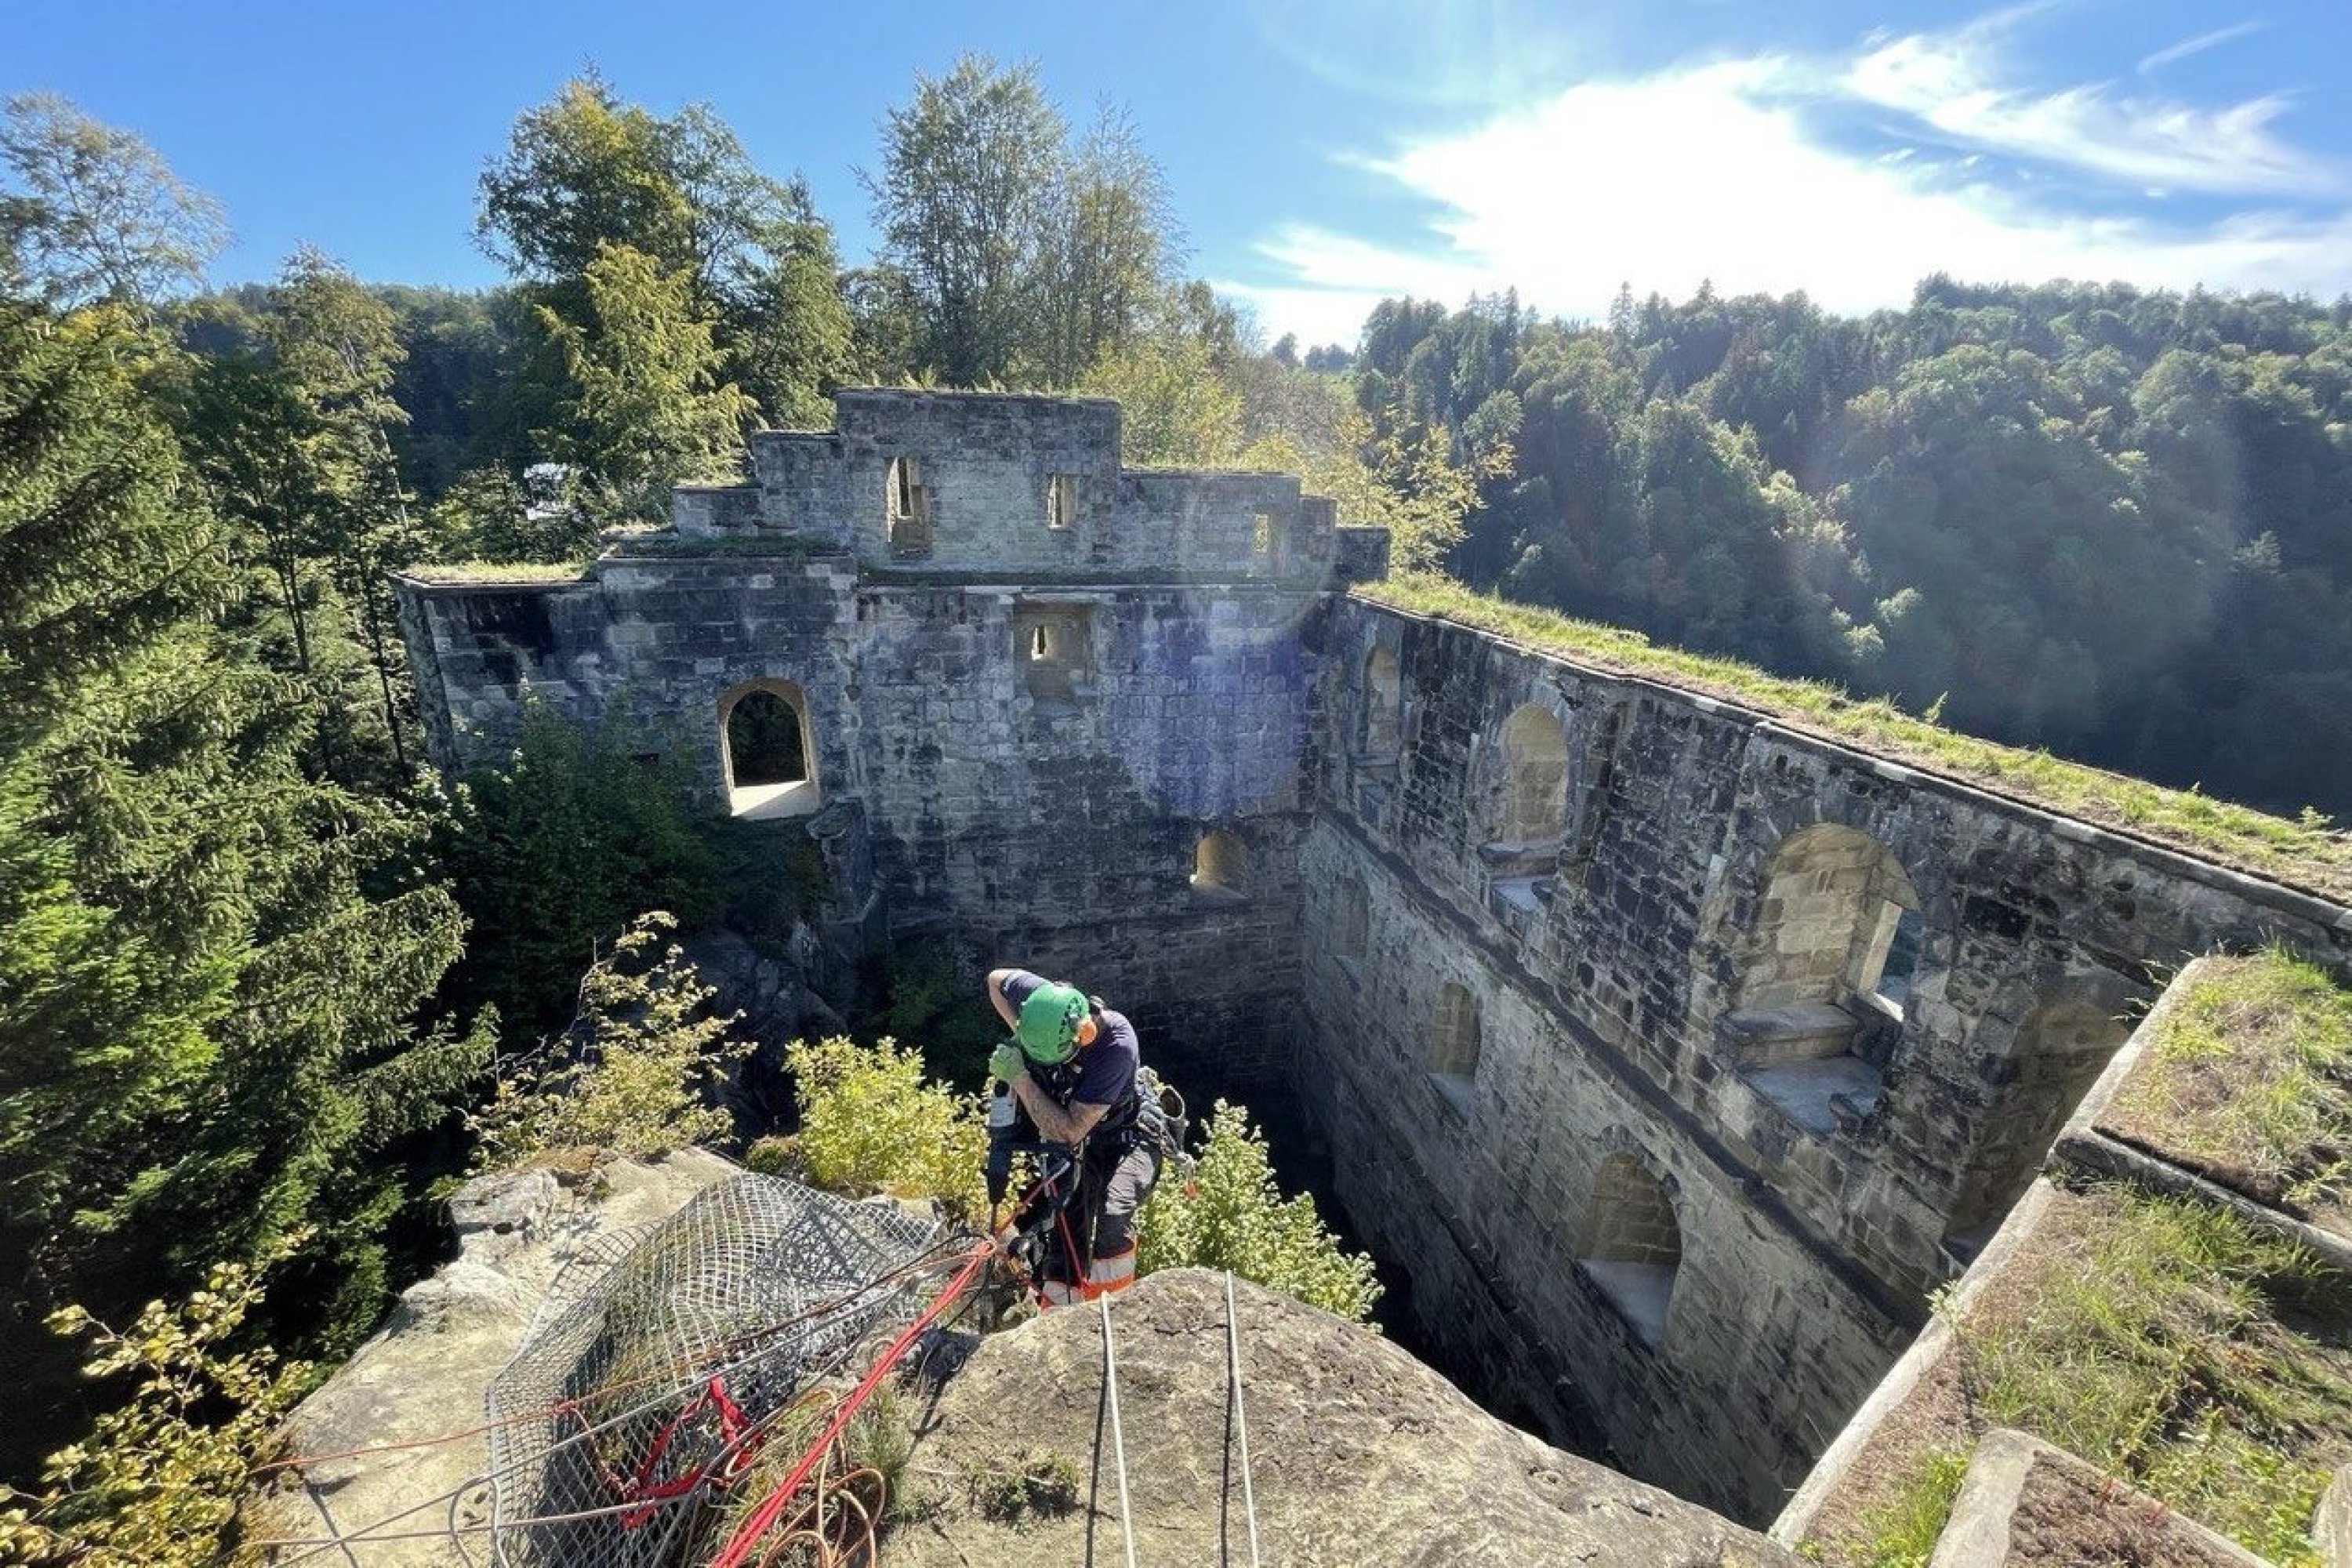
(2249, 1078)
(2305, 854)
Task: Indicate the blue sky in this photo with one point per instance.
(1326, 153)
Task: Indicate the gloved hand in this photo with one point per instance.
(1008, 1063)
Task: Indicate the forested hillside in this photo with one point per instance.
(2112, 523)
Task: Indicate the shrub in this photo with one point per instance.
(869, 1124)
(158, 1482)
(1233, 1215)
(927, 996)
(637, 1070)
(551, 852)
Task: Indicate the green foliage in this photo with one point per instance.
(91, 212)
(646, 409)
(214, 960)
(2160, 1349)
(869, 1124)
(587, 174)
(1010, 254)
(2090, 517)
(554, 850)
(927, 997)
(2252, 1077)
(158, 1482)
(1902, 1531)
(637, 1072)
(961, 204)
(1233, 1215)
(1176, 411)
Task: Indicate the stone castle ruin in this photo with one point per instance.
(1669, 1055)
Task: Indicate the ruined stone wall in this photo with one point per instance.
(985, 464)
(1604, 994)
(1820, 1191)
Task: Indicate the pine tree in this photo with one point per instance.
(210, 961)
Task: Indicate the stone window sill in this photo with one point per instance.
(1210, 893)
(1639, 1292)
(1825, 1096)
(1458, 1090)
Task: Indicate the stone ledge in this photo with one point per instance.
(1985, 1527)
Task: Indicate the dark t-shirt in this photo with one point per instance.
(1100, 1074)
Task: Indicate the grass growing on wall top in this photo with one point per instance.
(2249, 1078)
(2304, 854)
(472, 572)
(2178, 1347)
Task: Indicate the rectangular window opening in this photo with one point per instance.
(1062, 500)
(1050, 647)
(1262, 534)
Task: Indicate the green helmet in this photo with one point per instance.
(1048, 1030)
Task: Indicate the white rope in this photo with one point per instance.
(1117, 1439)
(1241, 1416)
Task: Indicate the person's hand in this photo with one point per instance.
(1007, 1064)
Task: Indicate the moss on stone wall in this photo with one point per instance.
(2304, 854)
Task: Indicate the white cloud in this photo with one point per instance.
(1950, 81)
(1717, 171)
(2175, 53)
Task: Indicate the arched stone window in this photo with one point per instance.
(1531, 794)
(765, 750)
(1351, 926)
(1220, 865)
(1631, 1246)
(909, 508)
(2058, 1054)
(1453, 1056)
(1828, 926)
(1826, 974)
(1383, 694)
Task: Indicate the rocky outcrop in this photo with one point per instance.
(421, 1381)
(1360, 1454)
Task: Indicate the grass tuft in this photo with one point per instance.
(2174, 1346)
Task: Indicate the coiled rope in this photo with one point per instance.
(1241, 1416)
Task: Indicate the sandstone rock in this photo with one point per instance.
(1360, 1454)
(495, 1214)
(421, 1381)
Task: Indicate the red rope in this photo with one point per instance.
(739, 1546)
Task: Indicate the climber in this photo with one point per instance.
(1072, 1066)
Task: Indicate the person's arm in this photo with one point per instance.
(1004, 1004)
(1056, 1125)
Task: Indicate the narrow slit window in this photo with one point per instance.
(909, 508)
(1062, 500)
(1262, 534)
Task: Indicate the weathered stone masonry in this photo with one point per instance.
(1046, 814)
(1822, 1180)
(1673, 1055)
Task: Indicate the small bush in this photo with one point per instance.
(636, 1073)
(158, 1483)
(869, 1124)
(1043, 1483)
(1233, 1215)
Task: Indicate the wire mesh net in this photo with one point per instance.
(646, 1376)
